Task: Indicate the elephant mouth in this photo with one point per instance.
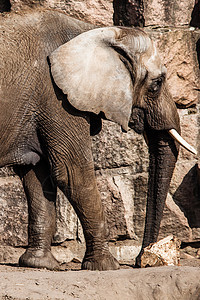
(137, 123)
(178, 138)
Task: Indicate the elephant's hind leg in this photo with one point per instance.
(41, 196)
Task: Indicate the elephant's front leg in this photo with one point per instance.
(41, 196)
(85, 198)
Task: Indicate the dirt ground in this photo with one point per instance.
(160, 283)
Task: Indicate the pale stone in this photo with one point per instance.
(124, 199)
(70, 250)
(196, 231)
(127, 194)
(9, 254)
(13, 213)
(174, 222)
(178, 49)
(190, 132)
(167, 13)
(125, 252)
(95, 12)
(165, 252)
(184, 171)
(113, 206)
(198, 253)
(113, 148)
(66, 220)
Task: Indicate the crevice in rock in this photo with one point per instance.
(5, 6)
(195, 18)
(128, 13)
(194, 245)
(99, 168)
(198, 50)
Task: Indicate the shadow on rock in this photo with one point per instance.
(195, 18)
(198, 49)
(5, 5)
(187, 197)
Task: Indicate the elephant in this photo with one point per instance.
(60, 77)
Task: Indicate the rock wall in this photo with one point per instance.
(121, 160)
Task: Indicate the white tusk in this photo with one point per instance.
(181, 141)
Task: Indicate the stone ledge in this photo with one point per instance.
(124, 252)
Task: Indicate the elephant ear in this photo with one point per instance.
(90, 72)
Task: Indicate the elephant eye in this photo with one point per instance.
(156, 84)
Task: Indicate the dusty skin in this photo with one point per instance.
(164, 283)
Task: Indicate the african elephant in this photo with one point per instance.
(59, 78)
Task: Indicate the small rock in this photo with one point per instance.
(163, 253)
(198, 253)
(191, 251)
(186, 256)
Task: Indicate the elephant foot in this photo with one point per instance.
(101, 262)
(39, 259)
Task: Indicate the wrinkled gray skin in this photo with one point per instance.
(47, 139)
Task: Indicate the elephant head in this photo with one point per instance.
(118, 71)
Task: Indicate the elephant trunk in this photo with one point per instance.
(163, 155)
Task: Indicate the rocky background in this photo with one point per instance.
(121, 160)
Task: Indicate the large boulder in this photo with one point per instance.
(168, 12)
(13, 213)
(92, 11)
(179, 49)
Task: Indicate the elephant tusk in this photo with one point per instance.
(181, 141)
(145, 138)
